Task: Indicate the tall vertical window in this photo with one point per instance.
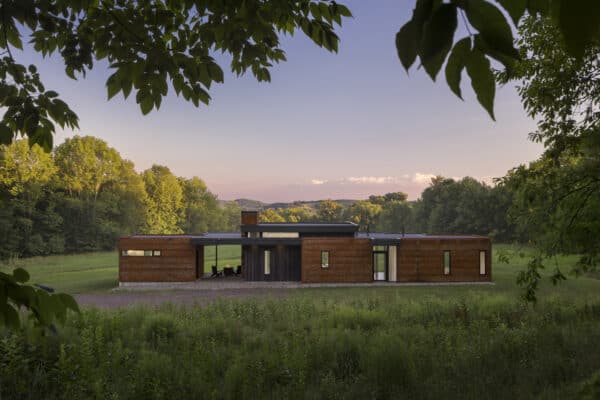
(482, 262)
(446, 262)
(267, 262)
(324, 259)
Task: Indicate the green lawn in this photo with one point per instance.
(78, 273)
(93, 272)
(229, 255)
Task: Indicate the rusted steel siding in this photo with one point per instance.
(422, 260)
(176, 263)
(350, 260)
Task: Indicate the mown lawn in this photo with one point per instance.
(94, 272)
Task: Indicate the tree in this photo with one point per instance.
(88, 168)
(330, 211)
(153, 44)
(30, 224)
(271, 215)
(164, 201)
(429, 35)
(200, 207)
(556, 198)
(364, 213)
(301, 213)
(149, 46)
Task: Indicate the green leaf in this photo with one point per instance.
(456, 63)
(579, 22)
(515, 8)
(492, 25)
(43, 138)
(438, 36)
(482, 80)
(6, 134)
(9, 316)
(21, 275)
(406, 44)
(68, 301)
(146, 104)
(482, 45)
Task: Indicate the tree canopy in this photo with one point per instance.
(153, 45)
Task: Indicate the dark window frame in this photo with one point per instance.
(328, 265)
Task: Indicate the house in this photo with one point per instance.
(311, 253)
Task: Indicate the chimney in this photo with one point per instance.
(249, 217)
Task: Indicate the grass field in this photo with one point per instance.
(97, 272)
(94, 272)
(432, 342)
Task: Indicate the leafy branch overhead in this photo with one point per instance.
(149, 45)
(429, 36)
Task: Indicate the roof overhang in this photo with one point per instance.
(302, 228)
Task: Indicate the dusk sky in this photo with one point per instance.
(343, 125)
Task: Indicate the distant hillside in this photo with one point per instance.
(249, 204)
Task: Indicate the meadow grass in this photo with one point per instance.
(428, 342)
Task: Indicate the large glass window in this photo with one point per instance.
(482, 262)
(324, 259)
(267, 262)
(446, 262)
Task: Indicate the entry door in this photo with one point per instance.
(380, 266)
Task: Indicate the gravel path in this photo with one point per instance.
(204, 291)
(120, 299)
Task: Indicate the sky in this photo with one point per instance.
(343, 125)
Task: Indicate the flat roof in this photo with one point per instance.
(216, 238)
(344, 227)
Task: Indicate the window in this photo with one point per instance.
(324, 259)
(482, 262)
(283, 235)
(267, 262)
(446, 262)
(379, 248)
(140, 253)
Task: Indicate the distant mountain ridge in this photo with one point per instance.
(250, 204)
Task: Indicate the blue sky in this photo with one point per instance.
(340, 125)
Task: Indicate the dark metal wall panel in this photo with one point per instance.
(285, 263)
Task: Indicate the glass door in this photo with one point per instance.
(380, 266)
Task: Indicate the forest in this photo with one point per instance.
(83, 196)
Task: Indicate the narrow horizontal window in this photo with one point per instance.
(446, 262)
(379, 248)
(482, 257)
(140, 253)
(324, 259)
(282, 235)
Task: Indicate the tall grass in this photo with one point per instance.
(473, 347)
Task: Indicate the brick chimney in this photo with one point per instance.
(249, 217)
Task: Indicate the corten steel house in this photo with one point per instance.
(310, 253)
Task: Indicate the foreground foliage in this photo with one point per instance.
(319, 344)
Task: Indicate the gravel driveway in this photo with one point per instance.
(120, 299)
